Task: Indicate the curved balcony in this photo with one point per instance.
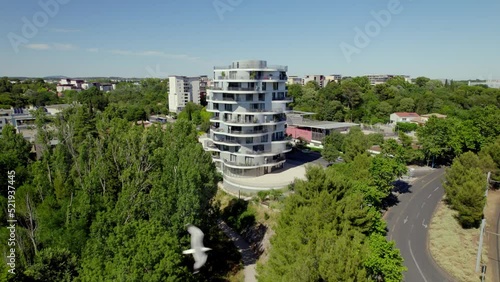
(249, 165)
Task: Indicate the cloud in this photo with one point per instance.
(64, 30)
(64, 47)
(152, 53)
(94, 50)
(52, 46)
(38, 46)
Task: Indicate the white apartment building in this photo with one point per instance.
(248, 100)
(332, 77)
(183, 89)
(318, 78)
(383, 78)
(295, 80)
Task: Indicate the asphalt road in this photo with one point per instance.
(408, 222)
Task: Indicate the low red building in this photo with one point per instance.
(312, 131)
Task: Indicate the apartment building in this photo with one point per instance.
(332, 77)
(183, 89)
(295, 80)
(318, 78)
(383, 78)
(248, 100)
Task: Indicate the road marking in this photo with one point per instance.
(423, 224)
(436, 189)
(423, 204)
(411, 229)
(418, 214)
(415, 261)
(408, 202)
(406, 219)
(429, 196)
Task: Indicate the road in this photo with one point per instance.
(408, 225)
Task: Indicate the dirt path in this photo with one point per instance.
(492, 231)
(247, 255)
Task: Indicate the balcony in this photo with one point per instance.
(267, 161)
(283, 98)
(233, 88)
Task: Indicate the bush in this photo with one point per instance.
(406, 126)
(245, 220)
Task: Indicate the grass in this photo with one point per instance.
(452, 247)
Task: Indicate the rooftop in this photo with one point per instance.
(435, 115)
(323, 124)
(405, 114)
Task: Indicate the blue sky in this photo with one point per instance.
(457, 39)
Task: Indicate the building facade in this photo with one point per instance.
(182, 90)
(383, 78)
(318, 78)
(403, 117)
(295, 80)
(248, 100)
(313, 131)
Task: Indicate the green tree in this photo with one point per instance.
(355, 143)
(332, 146)
(465, 186)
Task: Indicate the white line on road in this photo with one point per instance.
(406, 219)
(423, 223)
(418, 214)
(423, 204)
(429, 196)
(411, 229)
(436, 189)
(415, 261)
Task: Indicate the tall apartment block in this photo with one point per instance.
(248, 100)
(183, 89)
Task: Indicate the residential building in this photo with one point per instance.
(332, 77)
(319, 79)
(424, 118)
(313, 131)
(403, 117)
(182, 90)
(383, 78)
(248, 100)
(204, 84)
(295, 80)
(489, 83)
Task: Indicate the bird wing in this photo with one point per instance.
(196, 238)
(200, 258)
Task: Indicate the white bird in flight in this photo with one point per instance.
(197, 248)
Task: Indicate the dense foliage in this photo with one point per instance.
(354, 99)
(331, 229)
(466, 184)
(111, 201)
(19, 94)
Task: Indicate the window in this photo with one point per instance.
(249, 160)
(264, 86)
(264, 138)
(249, 97)
(228, 107)
(233, 158)
(275, 86)
(249, 140)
